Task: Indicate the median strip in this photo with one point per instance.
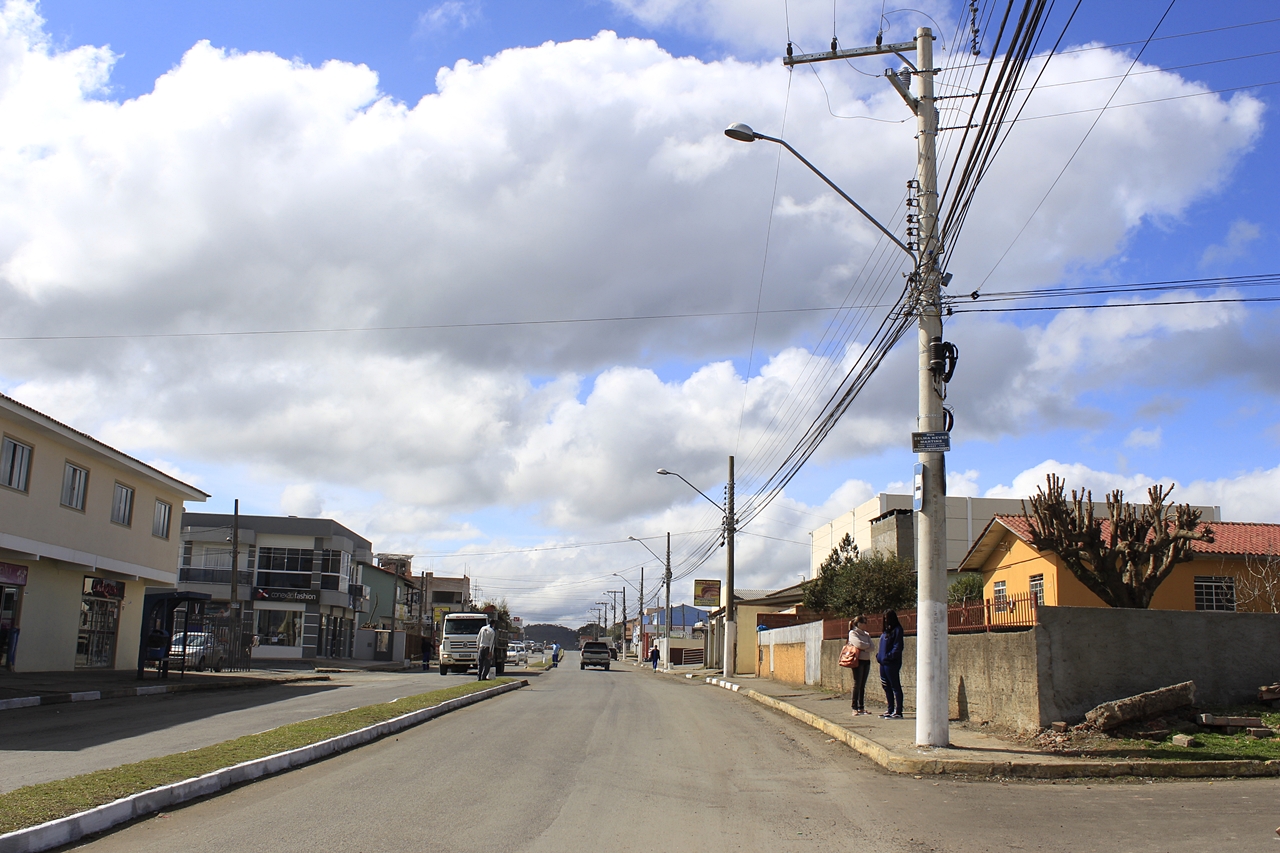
(51, 814)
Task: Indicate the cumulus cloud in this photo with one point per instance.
(248, 193)
(1240, 236)
(1144, 438)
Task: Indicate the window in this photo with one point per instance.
(122, 505)
(285, 568)
(999, 595)
(1215, 593)
(1037, 588)
(75, 484)
(15, 464)
(160, 523)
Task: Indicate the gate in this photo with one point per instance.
(203, 640)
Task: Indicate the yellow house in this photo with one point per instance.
(1011, 567)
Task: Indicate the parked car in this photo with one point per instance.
(517, 654)
(595, 653)
(203, 652)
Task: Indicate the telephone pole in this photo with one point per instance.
(667, 579)
(730, 602)
(931, 440)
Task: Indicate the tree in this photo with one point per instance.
(849, 583)
(1258, 586)
(1125, 561)
(501, 614)
(967, 588)
(591, 629)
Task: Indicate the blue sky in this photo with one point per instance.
(590, 180)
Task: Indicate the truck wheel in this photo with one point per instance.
(606, 667)
(444, 670)
(582, 666)
(500, 668)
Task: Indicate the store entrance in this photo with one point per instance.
(9, 598)
(99, 623)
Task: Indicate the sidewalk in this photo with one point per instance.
(891, 743)
(25, 689)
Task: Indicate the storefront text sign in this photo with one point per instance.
(11, 574)
(263, 593)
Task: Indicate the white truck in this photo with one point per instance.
(458, 644)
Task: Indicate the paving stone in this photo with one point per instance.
(1185, 740)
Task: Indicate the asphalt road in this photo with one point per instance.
(56, 741)
(628, 760)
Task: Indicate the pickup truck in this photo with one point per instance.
(595, 653)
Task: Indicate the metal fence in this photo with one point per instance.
(210, 640)
(1009, 613)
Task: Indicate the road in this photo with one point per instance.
(628, 760)
(53, 742)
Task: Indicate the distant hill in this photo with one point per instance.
(550, 633)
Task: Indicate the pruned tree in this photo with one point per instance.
(1258, 586)
(966, 588)
(1122, 562)
(849, 583)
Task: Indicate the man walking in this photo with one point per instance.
(484, 643)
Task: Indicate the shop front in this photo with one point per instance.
(13, 582)
(100, 603)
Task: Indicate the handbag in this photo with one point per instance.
(849, 656)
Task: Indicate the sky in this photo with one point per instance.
(462, 275)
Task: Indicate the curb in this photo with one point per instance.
(126, 692)
(921, 766)
(66, 830)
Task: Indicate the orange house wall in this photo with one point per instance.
(1020, 561)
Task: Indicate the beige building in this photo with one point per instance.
(84, 529)
(885, 524)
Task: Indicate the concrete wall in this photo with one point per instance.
(1093, 655)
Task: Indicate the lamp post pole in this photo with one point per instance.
(666, 664)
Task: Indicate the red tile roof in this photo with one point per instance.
(1229, 537)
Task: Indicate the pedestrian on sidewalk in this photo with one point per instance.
(890, 659)
(860, 639)
(484, 648)
(653, 657)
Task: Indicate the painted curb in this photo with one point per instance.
(922, 766)
(126, 692)
(57, 833)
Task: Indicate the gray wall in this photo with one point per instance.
(1079, 657)
(1092, 655)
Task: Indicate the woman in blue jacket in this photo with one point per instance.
(890, 659)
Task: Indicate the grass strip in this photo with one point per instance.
(1213, 746)
(36, 804)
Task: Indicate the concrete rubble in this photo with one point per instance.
(1109, 715)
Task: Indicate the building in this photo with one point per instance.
(885, 523)
(1011, 567)
(84, 529)
(299, 582)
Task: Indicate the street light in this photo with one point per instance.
(744, 133)
(639, 607)
(666, 577)
(730, 530)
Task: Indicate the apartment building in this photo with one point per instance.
(84, 529)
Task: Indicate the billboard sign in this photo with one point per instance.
(706, 593)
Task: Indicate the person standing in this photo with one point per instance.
(860, 639)
(653, 657)
(484, 646)
(890, 659)
(555, 655)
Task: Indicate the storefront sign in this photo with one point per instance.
(103, 588)
(308, 596)
(438, 613)
(13, 575)
(706, 593)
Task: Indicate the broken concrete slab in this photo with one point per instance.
(1108, 715)
(1259, 732)
(1185, 740)
(1232, 722)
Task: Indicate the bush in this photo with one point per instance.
(966, 588)
(849, 583)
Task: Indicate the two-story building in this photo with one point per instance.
(299, 579)
(84, 529)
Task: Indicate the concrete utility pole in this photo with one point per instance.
(931, 439)
(730, 600)
(667, 579)
(235, 569)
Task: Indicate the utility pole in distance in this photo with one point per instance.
(667, 579)
(932, 439)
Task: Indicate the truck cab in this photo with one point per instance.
(459, 646)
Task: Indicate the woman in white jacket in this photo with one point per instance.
(859, 638)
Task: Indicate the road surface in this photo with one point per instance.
(628, 760)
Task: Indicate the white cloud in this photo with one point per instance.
(449, 15)
(1240, 236)
(1144, 438)
(582, 179)
(302, 499)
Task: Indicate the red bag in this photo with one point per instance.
(849, 656)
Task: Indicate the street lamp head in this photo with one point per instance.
(740, 132)
(663, 471)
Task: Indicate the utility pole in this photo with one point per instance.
(624, 622)
(640, 617)
(667, 618)
(730, 603)
(235, 572)
(932, 438)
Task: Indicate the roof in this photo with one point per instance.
(278, 525)
(48, 425)
(789, 595)
(1230, 538)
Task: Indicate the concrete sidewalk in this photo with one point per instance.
(891, 743)
(25, 689)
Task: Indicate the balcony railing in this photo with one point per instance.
(205, 574)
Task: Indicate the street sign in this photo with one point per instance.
(930, 442)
